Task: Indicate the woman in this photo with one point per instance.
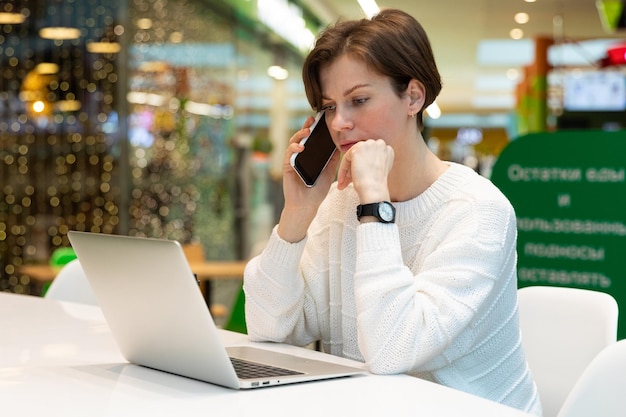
(431, 292)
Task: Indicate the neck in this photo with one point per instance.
(415, 169)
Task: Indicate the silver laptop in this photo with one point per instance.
(156, 313)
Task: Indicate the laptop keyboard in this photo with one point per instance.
(251, 370)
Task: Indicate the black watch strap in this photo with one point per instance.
(384, 211)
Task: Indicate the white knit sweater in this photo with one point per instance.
(433, 295)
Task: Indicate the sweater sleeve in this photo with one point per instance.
(409, 321)
(277, 307)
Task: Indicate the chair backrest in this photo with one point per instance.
(237, 320)
(563, 329)
(62, 256)
(71, 284)
(600, 389)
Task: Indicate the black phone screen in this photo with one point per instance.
(318, 150)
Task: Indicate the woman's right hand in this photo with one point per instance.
(302, 202)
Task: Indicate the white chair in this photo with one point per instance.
(600, 389)
(71, 284)
(563, 329)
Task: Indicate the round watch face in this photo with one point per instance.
(386, 212)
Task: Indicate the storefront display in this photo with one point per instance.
(132, 124)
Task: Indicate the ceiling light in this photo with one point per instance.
(277, 72)
(154, 66)
(512, 74)
(434, 112)
(104, 47)
(176, 37)
(39, 106)
(215, 111)
(59, 33)
(286, 19)
(11, 18)
(521, 18)
(47, 68)
(68, 105)
(144, 23)
(516, 33)
(369, 7)
(139, 97)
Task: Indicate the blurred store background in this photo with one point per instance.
(168, 119)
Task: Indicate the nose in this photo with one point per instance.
(340, 121)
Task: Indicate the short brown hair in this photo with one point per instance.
(392, 43)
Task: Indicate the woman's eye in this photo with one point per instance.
(328, 107)
(359, 100)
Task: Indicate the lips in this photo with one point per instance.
(346, 146)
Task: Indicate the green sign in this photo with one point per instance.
(569, 194)
(610, 12)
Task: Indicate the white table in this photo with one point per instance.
(59, 359)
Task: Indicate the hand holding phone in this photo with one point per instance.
(318, 149)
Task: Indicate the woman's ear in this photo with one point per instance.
(417, 94)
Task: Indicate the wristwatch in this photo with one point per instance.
(384, 211)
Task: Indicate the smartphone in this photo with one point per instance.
(318, 149)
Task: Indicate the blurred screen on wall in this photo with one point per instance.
(595, 91)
